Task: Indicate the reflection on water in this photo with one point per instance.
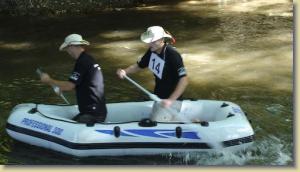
(240, 51)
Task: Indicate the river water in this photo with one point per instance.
(234, 50)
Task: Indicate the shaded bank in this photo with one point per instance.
(61, 7)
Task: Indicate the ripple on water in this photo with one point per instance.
(275, 109)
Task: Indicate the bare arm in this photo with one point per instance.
(63, 85)
(129, 70)
(181, 85)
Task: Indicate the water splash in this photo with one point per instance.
(265, 152)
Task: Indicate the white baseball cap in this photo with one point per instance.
(154, 33)
(73, 39)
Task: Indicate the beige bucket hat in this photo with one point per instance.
(73, 39)
(154, 33)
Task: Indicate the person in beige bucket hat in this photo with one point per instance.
(154, 33)
(73, 39)
(165, 63)
(86, 79)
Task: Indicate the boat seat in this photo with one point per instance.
(61, 113)
(59, 118)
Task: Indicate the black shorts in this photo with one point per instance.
(89, 118)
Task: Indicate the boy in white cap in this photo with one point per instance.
(165, 63)
(86, 79)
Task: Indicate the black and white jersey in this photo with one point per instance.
(88, 78)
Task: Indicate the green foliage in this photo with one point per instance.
(5, 146)
(5, 142)
(58, 7)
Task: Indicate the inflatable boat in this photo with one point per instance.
(129, 129)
